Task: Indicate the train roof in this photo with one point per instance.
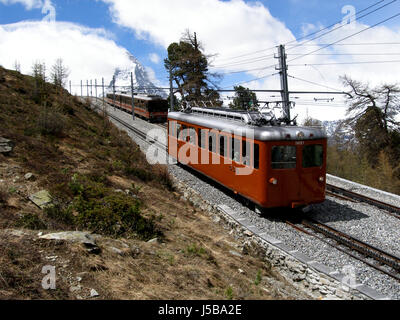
(141, 96)
(238, 127)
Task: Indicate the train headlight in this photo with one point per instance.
(321, 179)
(273, 181)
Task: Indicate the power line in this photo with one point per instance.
(345, 38)
(337, 63)
(247, 61)
(296, 40)
(260, 78)
(347, 54)
(343, 25)
(314, 83)
(353, 44)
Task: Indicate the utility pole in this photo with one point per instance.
(70, 87)
(91, 88)
(114, 91)
(284, 83)
(171, 89)
(87, 87)
(95, 87)
(81, 89)
(102, 83)
(133, 98)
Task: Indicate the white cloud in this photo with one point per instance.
(89, 53)
(231, 28)
(28, 4)
(154, 57)
(224, 27)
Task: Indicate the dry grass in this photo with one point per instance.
(192, 258)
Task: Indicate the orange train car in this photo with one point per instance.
(272, 166)
(149, 107)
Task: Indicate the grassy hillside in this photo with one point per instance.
(100, 182)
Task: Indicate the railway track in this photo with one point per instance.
(360, 250)
(352, 196)
(370, 255)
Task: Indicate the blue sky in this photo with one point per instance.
(127, 27)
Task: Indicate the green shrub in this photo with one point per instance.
(50, 122)
(258, 278)
(193, 249)
(30, 221)
(229, 293)
(101, 210)
(62, 215)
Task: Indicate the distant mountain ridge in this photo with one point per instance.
(141, 81)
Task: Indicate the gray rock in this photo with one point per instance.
(153, 241)
(6, 145)
(75, 236)
(94, 293)
(75, 288)
(29, 176)
(116, 250)
(234, 253)
(42, 199)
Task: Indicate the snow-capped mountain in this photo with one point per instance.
(331, 126)
(141, 80)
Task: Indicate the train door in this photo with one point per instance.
(283, 176)
(313, 171)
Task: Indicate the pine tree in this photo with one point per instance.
(244, 99)
(189, 70)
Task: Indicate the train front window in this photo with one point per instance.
(283, 157)
(313, 156)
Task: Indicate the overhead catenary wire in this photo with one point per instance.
(298, 39)
(347, 37)
(314, 83)
(343, 25)
(338, 63)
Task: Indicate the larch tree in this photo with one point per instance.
(372, 113)
(59, 73)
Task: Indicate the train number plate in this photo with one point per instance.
(300, 143)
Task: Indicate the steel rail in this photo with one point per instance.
(351, 245)
(393, 210)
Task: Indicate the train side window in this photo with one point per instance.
(235, 150)
(179, 131)
(212, 142)
(283, 157)
(192, 135)
(183, 133)
(223, 145)
(199, 138)
(256, 156)
(313, 156)
(172, 129)
(203, 137)
(246, 152)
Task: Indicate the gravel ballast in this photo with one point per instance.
(363, 221)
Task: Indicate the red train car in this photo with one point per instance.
(272, 166)
(149, 107)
